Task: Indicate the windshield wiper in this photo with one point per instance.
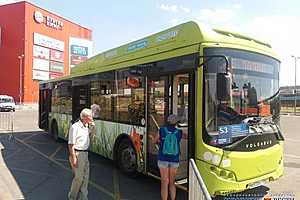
(252, 120)
(271, 97)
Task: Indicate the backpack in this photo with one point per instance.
(170, 146)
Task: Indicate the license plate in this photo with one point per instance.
(256, 184)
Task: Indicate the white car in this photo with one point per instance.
(7, 103)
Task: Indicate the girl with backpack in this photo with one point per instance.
(168, 156)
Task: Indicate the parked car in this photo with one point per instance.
(7, 103)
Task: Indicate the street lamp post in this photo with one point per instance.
(295, 90)
(21, 77)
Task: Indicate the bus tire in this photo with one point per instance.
(127, 158)
(54, 130)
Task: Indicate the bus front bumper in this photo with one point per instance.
(221, 184)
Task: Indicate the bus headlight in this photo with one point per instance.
(225, 174)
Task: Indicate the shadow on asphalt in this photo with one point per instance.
(40, 167)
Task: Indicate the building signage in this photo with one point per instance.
(40, 75)
(47, 20)
(38, 17)
(75, 60)
(56, 55)
(40, 52)
(46, 41)
(53, 75)
(56, 66)
(40, 64)
(79, 50)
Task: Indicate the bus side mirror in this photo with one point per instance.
(223, 86)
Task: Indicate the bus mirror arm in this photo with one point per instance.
(208, 58)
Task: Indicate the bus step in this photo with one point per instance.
(181, 182)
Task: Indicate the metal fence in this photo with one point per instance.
(7, 121)
(197, 188)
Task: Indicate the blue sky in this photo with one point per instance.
(118, 22)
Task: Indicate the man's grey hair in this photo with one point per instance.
(86, 113)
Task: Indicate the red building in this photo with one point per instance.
(36, 45)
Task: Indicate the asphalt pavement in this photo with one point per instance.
(33, 166)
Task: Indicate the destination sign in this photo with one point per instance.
(249, 65)
(227, 132)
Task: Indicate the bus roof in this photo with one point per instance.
(189, 35)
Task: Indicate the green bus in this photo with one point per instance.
(223, 86)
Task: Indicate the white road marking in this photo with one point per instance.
(292, 156)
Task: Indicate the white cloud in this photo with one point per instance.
(169, 8)
(174, 8)
(185, 9)
(214, 16)
(237, 6)
(2, 2)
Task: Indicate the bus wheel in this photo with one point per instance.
(54, 131)
(127, 159)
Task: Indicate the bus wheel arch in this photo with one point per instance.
(124, 151)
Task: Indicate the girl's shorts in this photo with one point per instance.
(167, 164)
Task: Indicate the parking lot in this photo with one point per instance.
(33, 166)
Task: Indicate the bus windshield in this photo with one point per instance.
(254, 91)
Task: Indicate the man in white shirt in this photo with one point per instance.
(79, 141)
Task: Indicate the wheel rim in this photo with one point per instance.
(128, 159)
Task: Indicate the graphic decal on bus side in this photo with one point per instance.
(107, 133)
(63, 124)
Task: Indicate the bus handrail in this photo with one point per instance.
(197, 187)
(155, 122)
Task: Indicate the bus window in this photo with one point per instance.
(180, 100)
(101, 95)
(62, 97)
(130, 98)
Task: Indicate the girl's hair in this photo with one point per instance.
(172, 119)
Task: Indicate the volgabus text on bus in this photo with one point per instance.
(47, 20)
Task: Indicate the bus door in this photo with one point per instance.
(80, 100)
(168, 95)
(44, 108)
(157, 112)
